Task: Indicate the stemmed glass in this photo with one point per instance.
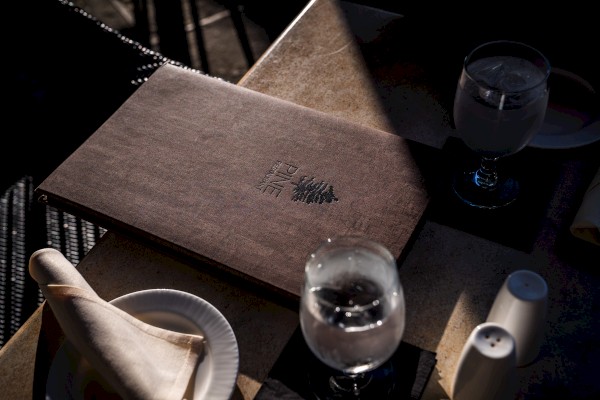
(500, 104)
(352, 313)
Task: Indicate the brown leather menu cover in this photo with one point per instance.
(238, 180)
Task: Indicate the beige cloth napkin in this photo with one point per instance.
(586, 224)
(138, 360)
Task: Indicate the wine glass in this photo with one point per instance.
(500, 104)
(352, 313)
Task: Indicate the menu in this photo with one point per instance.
(237, 181)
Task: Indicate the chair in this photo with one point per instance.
(170, 18)
(68, 72)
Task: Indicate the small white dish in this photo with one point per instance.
(170, 309)
(573, 114)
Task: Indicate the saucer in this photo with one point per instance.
(573, 113)
(170, 309)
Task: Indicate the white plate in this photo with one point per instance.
(169, 309)
(573, 114)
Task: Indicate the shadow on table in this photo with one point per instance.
(414, 72)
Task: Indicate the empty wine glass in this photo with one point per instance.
(352, 312)
(500, 104)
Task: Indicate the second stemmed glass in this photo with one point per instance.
(352, 313)
(500, 104)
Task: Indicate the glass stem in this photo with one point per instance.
(486, 176)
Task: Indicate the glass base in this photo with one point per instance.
(328, 384)
(504, 193)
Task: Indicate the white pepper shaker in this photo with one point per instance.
(521, 307)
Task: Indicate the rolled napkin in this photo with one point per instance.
(586, 224)
(138, 360)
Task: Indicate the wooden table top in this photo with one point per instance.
(453, 269)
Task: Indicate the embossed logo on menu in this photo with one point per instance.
(284, 177)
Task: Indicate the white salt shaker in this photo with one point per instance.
(521, 307)
(486, 369)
